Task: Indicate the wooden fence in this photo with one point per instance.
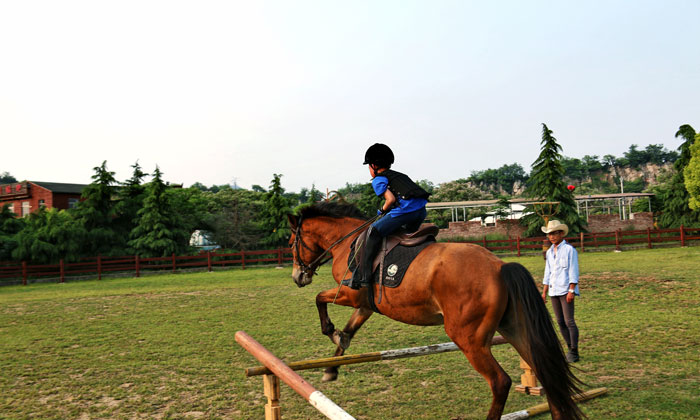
(103, 265)
(597, 240)
(13, 272)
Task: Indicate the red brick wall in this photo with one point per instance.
(513, 229)
(612, 222)
(36, 193)
(509, 228)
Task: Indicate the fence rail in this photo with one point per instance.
(97, 266)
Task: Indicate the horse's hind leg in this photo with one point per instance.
(475, 343)
(356, 320)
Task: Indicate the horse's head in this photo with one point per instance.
(304, 254)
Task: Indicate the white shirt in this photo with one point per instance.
(561, 269)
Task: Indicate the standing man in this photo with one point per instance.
(561, 283)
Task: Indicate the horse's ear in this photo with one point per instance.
(292, 220)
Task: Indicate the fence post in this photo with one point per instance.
(279, 257)
(99, 267)
(271, 387)
(617, 240)
(24, 273)
(682, 236)
(582, 248)
(518, 244)
(138, 265)
(485, 243)
(62, 270)
(174, 264)
(243, 260)
(209, 261)
(649, 238)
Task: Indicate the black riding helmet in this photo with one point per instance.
(379, 154)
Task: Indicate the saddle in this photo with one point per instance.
(392, 265)
(426, 232)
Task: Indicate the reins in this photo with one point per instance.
(312, 267)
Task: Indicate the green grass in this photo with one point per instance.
(163, 347)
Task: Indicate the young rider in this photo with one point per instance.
(404, 206)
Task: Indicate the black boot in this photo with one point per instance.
(572, 355)
(363, 273)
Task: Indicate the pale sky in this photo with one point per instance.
(216, 91)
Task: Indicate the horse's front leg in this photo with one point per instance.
(340, 338)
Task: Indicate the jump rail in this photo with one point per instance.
(367, 357)
(291, 378)
(274, 368)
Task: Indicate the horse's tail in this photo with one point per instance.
(541, 340)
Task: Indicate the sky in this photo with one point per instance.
(223, 92)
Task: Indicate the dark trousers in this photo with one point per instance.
(564, 313)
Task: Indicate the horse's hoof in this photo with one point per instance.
(341, 339)
(329, 377)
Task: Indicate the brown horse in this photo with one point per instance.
(463, 286)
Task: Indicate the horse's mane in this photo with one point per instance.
(331, 209)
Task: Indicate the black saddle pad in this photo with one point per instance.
(395, 263)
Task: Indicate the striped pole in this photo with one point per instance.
(367, 357)
(291, 378)
(544, 407)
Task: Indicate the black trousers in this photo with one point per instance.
(564, 312)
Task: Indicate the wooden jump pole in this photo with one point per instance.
(367, 357)
(544, 407)
(291, 378)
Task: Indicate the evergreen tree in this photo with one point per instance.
(97, 213)
(674, 196)
(48, 236)
(547, 184)
(130, 201)
(692, 175)
(158, 231)
(274, 214)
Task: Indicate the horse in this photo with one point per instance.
(462, 286)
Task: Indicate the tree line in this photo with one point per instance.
(157, 219)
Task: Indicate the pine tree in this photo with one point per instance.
(274, 214)
(158, 231)
(675, 198)
(546, 183)
(96, 213)
(130, 200)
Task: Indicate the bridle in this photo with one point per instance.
(311, 268)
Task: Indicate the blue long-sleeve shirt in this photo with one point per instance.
(561, 269)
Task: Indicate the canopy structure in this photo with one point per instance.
(622, 202)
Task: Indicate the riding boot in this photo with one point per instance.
(572, 355)
(363, 274)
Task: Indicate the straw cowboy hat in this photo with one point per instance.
(555, 225)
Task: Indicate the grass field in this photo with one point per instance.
(163, 347)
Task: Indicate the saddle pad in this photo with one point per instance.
(395, 263)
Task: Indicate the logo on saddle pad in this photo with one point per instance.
(392, 270)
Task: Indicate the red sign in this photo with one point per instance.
(8, 189)
(18, 187)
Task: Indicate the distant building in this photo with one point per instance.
(28, 196)
(201, 240)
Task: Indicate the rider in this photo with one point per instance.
(404, 201)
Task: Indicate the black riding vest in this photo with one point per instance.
(402, 186)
